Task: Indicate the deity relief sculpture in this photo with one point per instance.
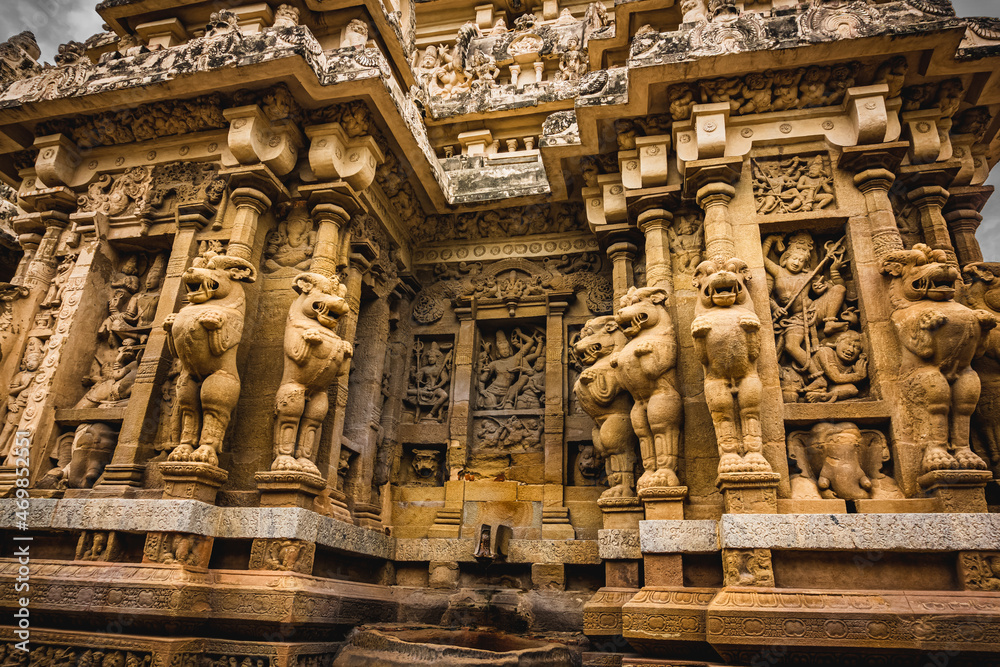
(982, 291)
(573, 63)
(819, 342)
(602, 395)
(646, 364)
(17, 395)
(430, 381)
(795, 185)
(687, 237)
(513, 433)
(98, 546)
(82, 457)
(839, 460)
(726, 334)
(291, 244)
(939, 338)
(204, 335)
(314, 356)
(506, 369)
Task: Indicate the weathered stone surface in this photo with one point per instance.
(697, 536)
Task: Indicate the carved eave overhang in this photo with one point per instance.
(288, 55)
(123, 16)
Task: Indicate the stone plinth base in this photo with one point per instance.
(666, 618)
(811, 506)
(447, 524)
(118, 478)
(896, 505)
(663, 502)
(957, 490)
(288, 488)
(749, 492)
(367, 515)
(192, 481)
(621, 512)
(602, 614)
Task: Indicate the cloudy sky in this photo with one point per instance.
(58, 21)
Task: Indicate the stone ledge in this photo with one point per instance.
(198, 518)
(581, 552)
(678, 537)
(890, 532)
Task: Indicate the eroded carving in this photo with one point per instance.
(795, 185)
(839, 460)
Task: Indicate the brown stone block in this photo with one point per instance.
(811, 506)
(602, 614)
(657, 618)
(902, 505)
(662, 570)
(749, 492)
(622, 573)
(663, 502)
(548, 576)
(621, 512)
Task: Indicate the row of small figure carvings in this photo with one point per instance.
(629, 388)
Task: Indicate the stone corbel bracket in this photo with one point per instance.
(254, 139)
(928, 133)
(647, 166)
(865, 117)
(58, 158)
(605, 203)
(334, 156)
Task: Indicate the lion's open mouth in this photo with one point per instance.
(592, 352)
(322, 315)
(934, 284)
(200, 290)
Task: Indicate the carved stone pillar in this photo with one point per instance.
(250, 204)
(963, 218)
(328, 255)
(930, 201)
(875, 184)
(714, 198)
(622, 256)
(655, 224)
(555, 515)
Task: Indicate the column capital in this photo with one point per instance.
(886, 156)
(623, 250)
(247, 197)
(714, 194)
(873, 180)
(654, 218)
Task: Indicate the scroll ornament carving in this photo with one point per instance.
(982, 292)
(939, 337)
(818, 338)
(839, 460)
(204, 335)
(603, 396)
(728, 30)
(429, 387)
(839, 20)
(314, 355)
(726, 334)
(980, 570)
(512, 370)
(647, 366)
(110, 196)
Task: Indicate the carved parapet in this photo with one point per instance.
(334, 156)
(192, 481)
(58, 158)
(253, 139)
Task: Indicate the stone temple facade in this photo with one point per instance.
(382, 332)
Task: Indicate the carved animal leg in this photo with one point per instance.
(721, 406)
(749, 396)
(932, 394)
(289, 404)
(617, 445)
(188, 422)
(664, 413)
(964, 397)
(646, 449)
(219, 393)
(309, 431)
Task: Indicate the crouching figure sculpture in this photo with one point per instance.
(203, 335)
(939, 338)
(314, 354)
(726, 334)
(603, 396)
(647, 367)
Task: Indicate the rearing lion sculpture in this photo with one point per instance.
(203, 335)
(603, 396)
(938, 337)
(314, 355)
(647, 366)
(726, 334)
